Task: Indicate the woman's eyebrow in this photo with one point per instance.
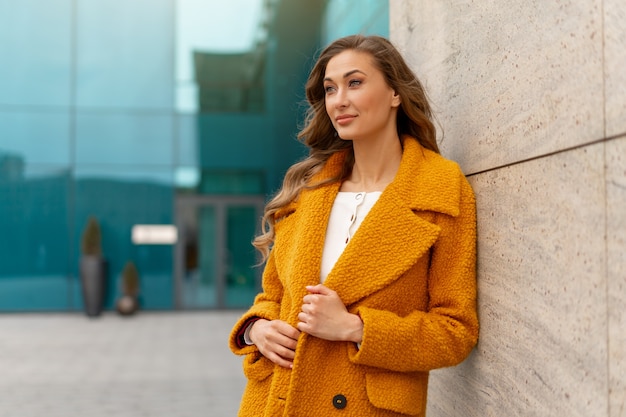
(347, 74)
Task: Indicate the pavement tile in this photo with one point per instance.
(152, 364)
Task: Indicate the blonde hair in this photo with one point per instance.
(414, 119)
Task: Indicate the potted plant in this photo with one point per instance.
(128, 303)
(92, 268)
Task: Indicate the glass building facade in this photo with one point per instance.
(109, 109)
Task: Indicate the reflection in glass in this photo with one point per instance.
(215, 260)
(37, 137)
(35, 244)
(124, 138)
(36, 45)
(187, 178)
(187, 140)
(120, 199)
(201, 33)
(198, 237)
(241, 275)
(124, 54)
(346, 17)
(100, 107)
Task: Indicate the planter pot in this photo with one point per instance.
(92, 278)
(127, 305)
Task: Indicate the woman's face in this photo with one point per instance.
(358, 100)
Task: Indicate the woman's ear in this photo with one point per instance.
(395, 101)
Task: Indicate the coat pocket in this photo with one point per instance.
(257, 367)
(399, 392)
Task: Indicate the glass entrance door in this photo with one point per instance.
(215, 260)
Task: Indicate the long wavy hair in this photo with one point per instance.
(414, 118)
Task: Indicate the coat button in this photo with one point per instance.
(340, 401)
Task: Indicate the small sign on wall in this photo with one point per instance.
(154, 234)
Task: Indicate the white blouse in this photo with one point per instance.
(348, 212)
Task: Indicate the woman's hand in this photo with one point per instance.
(276, 340)
(325, 316)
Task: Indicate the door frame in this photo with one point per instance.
(220, 202)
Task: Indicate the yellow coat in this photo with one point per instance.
(408, 272)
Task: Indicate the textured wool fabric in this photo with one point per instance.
(409, 272)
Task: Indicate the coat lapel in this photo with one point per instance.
(299, 252)
(389, 241)
(299, 256)
(392, 236)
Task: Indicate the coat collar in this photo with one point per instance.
(425, 180)
(391, 238)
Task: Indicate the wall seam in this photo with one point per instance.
(607, 284)
(549, 154)
(606, 215)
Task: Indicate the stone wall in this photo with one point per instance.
(532, 99)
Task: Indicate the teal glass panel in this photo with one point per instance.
(187, 140)
(36, 137)
(199, 289)
(120, 199)
(232, 182)
(125, 54)
(35, 244)
(348, 17)
(206, 294)
(124, 139)
(35, 46)
(235, 140)
(187, 176)
(241, 274)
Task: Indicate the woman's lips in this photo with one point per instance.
(344, 119)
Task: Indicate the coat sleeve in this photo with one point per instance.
(266, 306)
(446, 333)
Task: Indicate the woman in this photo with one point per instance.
(369, 280)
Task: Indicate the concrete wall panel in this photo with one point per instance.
(509, 80)
(532, 98)
(542, 294)
(615, 64)
(616, 244)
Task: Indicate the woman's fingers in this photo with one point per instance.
(276, 340)
(286, 330)
(280, 340)
(324, 315)
(319, 289)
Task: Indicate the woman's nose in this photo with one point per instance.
(341, 99)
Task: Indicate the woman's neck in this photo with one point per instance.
(375, 165)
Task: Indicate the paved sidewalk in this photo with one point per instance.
(152, 364)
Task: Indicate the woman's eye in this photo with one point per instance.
(354, 83)
(329, 89)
